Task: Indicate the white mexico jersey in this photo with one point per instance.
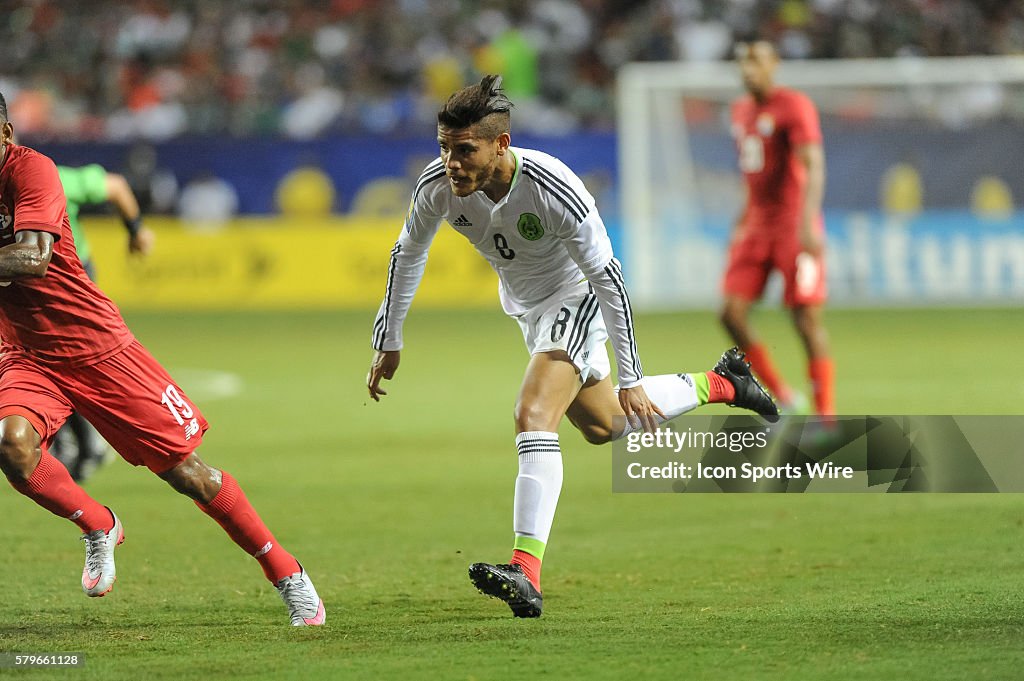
(543, 236)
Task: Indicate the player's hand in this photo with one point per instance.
(639, 408)
(812, 242)
(142, 242)
(384, 365)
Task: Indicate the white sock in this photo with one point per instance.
(538, 485)
(674, 394)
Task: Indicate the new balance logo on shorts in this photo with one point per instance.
(462, 221)
(192, 429)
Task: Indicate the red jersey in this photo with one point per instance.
(767, 135)
(61, 317)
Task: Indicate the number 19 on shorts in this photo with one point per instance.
(180, 410)
(176, 404)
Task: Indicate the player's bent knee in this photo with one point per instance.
(19, 447)
(532, 418)
(193, 478)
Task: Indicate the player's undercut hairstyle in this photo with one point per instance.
(3, 109)
(484, 104)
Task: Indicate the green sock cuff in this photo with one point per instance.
(703, 386)
(534, 547)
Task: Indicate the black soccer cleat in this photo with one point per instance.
(510, 584)
(749, 393)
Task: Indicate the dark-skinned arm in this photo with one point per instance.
(28, 257)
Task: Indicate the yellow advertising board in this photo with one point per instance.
(280, 263)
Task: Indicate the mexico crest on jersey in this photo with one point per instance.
(530, 227)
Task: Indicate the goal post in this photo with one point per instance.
(953, 126)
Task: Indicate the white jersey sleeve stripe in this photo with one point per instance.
(380, 327)
(409, 258)
(531, 172)
(435, 171)
(614, 272)
(565, 188)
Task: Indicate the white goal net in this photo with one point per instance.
(924, 172)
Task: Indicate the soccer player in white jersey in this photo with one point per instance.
(538, 227)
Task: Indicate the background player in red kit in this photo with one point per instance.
(778, 136)
(66, 348)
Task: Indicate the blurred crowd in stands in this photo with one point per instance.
(156, 69)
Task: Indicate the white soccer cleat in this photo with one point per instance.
(99, 572)
(304, 605)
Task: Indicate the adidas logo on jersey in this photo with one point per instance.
(462, 221)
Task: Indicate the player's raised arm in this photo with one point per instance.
(28, 257)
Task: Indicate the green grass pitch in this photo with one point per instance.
(386, 505)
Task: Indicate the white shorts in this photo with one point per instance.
(571, 321)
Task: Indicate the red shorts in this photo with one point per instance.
(130, 399)
(752, 259)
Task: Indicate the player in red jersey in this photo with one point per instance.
(64, 347)
(778, 136)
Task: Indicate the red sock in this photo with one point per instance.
(51, 487)
(232, 511)
(761, 363)
(821, 372)
(719, 388)
(530, 564)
